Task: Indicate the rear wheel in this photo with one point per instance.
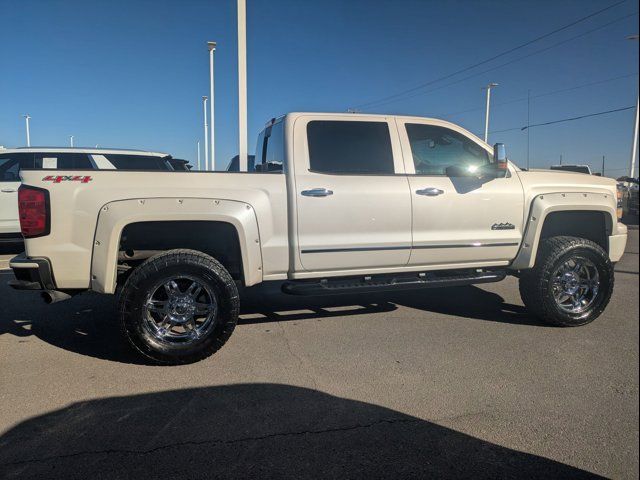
(571, 283)
(179, 307)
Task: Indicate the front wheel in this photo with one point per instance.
(179, 307)
(571, 283)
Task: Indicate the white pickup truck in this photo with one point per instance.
(337, 203)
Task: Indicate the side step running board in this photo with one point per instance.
(390, 283)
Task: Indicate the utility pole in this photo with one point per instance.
(634, 145)
(242, 85)
(528, 123)
(212, 49)
(26, 119)
(560, 159)
(603, 165)
(206, 134)
(634, 141)
(486, 115)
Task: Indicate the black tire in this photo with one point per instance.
(147, 277)
(536, 284)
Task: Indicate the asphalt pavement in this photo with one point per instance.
(457, 382)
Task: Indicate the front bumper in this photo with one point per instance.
(31, 273)
(618, 243)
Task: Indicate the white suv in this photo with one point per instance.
(13, 160)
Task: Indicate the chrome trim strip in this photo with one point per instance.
(467, 245)
(354, 249)
(369, 249)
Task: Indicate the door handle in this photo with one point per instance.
(317, 192)
(8, 190)
(430, 192)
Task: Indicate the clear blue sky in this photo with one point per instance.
(132, 73)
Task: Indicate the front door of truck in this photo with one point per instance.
(352, 197)
(458, 220)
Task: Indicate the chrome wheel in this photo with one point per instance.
(180, 310)
(575, 284)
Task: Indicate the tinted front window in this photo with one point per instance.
(350, 147)
(138, 162)
(435, 149)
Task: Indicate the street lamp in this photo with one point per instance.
(212, 49)
(199, 166)
(206, 133)
(26, 119)
(242, 85)
(634, 141)
(486, 115)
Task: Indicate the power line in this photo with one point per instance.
(552, 122)
(416, 94)
(521, 99)
(506, 52)
(578, 118)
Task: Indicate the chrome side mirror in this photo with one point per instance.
(499, 153)
(501, 164)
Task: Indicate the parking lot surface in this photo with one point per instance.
(448, 383)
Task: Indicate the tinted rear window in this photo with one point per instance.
(138, 162)
(12, 163)
(350, 147)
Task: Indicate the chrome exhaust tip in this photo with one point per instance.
(54, 296)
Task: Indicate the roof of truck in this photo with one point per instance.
(97, 151)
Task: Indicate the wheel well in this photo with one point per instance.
(142, 240)
(592, 225)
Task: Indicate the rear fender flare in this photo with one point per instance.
(115, 216)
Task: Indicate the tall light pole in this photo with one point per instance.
(26, 119)
(528, 123)
(206, 134)
(634, 141)
(212, 49)
(71, 140)
(199, 166)
(486, 115)
(242, 85)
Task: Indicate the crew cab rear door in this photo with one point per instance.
(458, 220)
(353, 200)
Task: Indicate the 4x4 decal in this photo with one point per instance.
(67, 178)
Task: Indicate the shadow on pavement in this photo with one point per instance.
(467, 302)
(88, 325)
(253, 431)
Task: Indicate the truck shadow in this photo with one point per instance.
(253, 431)
(87, 324)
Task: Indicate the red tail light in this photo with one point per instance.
(33, 206)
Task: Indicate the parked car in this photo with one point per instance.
(573, 168)
(359, 203)
(12, 161)
(234, 164)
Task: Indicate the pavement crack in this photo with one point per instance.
(269, 436)
(301, 363)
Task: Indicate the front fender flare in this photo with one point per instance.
(543, 205)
